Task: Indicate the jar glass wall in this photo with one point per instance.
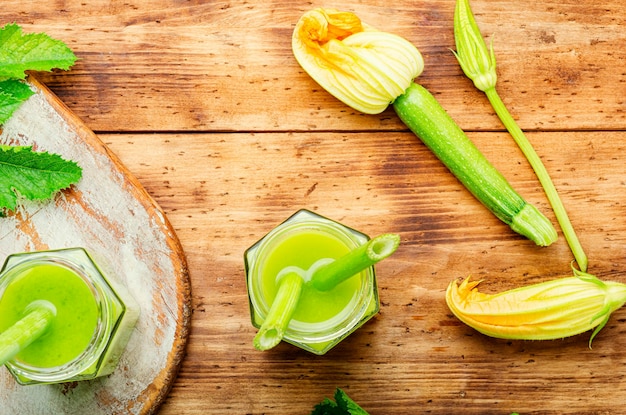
(321, 320)
(94, 319)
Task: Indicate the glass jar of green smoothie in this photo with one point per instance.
(305, 241)
(92, 319)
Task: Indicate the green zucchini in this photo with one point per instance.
(421, 112)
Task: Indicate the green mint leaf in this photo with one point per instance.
(8, 105)
(16, 88)
(33, 175)
(327, 407)
(21, 52)
(12, 94)
(348, 405)
(343, 405)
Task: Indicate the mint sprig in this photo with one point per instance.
(19, 53)
(33, 175)
(25, 173)
(343, 405)
(13, 93)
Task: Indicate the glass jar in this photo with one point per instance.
(52, 276)
(321, 319)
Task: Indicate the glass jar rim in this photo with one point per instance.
(342, 323)
(99, 340)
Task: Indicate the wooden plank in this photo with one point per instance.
(224, 191)
(257, 139)
(227, 66)
(111, 216)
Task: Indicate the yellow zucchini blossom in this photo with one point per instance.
(365, 68)
(545, 311)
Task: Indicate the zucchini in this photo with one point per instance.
(421, 112)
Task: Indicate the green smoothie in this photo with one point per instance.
(303, 250)
(310, 283)
(76, 318)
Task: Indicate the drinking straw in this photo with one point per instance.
(39, 315)
(273, 328)
(328, 276)
(324, 278)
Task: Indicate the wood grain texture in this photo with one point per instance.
(414, 354)
(203, 102)
(110, 215)
(224, 65)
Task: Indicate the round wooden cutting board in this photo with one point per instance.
(110, 214)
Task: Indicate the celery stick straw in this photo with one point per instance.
(324, 278)
(273, 328)
(17, 337)
(330, 275)
(479, 64)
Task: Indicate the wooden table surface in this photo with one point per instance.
(205, 104)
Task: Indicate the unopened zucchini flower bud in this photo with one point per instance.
(477, 62)
(545, 311)
(365, 68)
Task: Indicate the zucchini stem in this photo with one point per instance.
(543, 176)
(479, 64)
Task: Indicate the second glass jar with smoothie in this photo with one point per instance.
(321, 319)
(92, 321)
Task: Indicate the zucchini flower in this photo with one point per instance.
(368, 70)
(545, 311)
(479, 64)
(363, 67)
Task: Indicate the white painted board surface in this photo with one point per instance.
(110, 214)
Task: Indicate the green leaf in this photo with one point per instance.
(33, 175)
(12, 94)
(347, 404)
(16, 88)
(8, 105)
(327, 407)
(343, 405)
(21, 52)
